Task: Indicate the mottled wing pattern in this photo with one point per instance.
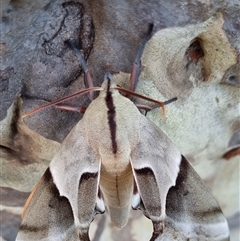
(66, 198)
(192, 210)
(192, 213)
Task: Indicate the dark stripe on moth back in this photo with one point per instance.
(111, 117)
(117, 188)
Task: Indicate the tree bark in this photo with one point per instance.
(36, 64)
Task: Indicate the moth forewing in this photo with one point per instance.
(156, 165)
(77, 158)
(64, 204)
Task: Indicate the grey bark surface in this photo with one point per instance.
(36, 64)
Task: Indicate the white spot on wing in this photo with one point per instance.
(100, 205)
(136, 200)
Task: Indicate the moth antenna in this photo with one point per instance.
(79, 55)
(165, 103)
(170, 101)
(81, 110)
(149, 108)
(147, 37)
(84, 66)
(129, 92)
(137, 62)
(79, 93)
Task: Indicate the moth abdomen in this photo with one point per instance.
(117, 192)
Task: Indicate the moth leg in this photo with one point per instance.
(157, 230)
(147, 108)
(137, 63)
(71, 108)
(87, 76)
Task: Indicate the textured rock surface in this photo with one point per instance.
(206, 114)
(36, 63)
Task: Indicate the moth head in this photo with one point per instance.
(108, 82)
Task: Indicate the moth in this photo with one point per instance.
(115, 158)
